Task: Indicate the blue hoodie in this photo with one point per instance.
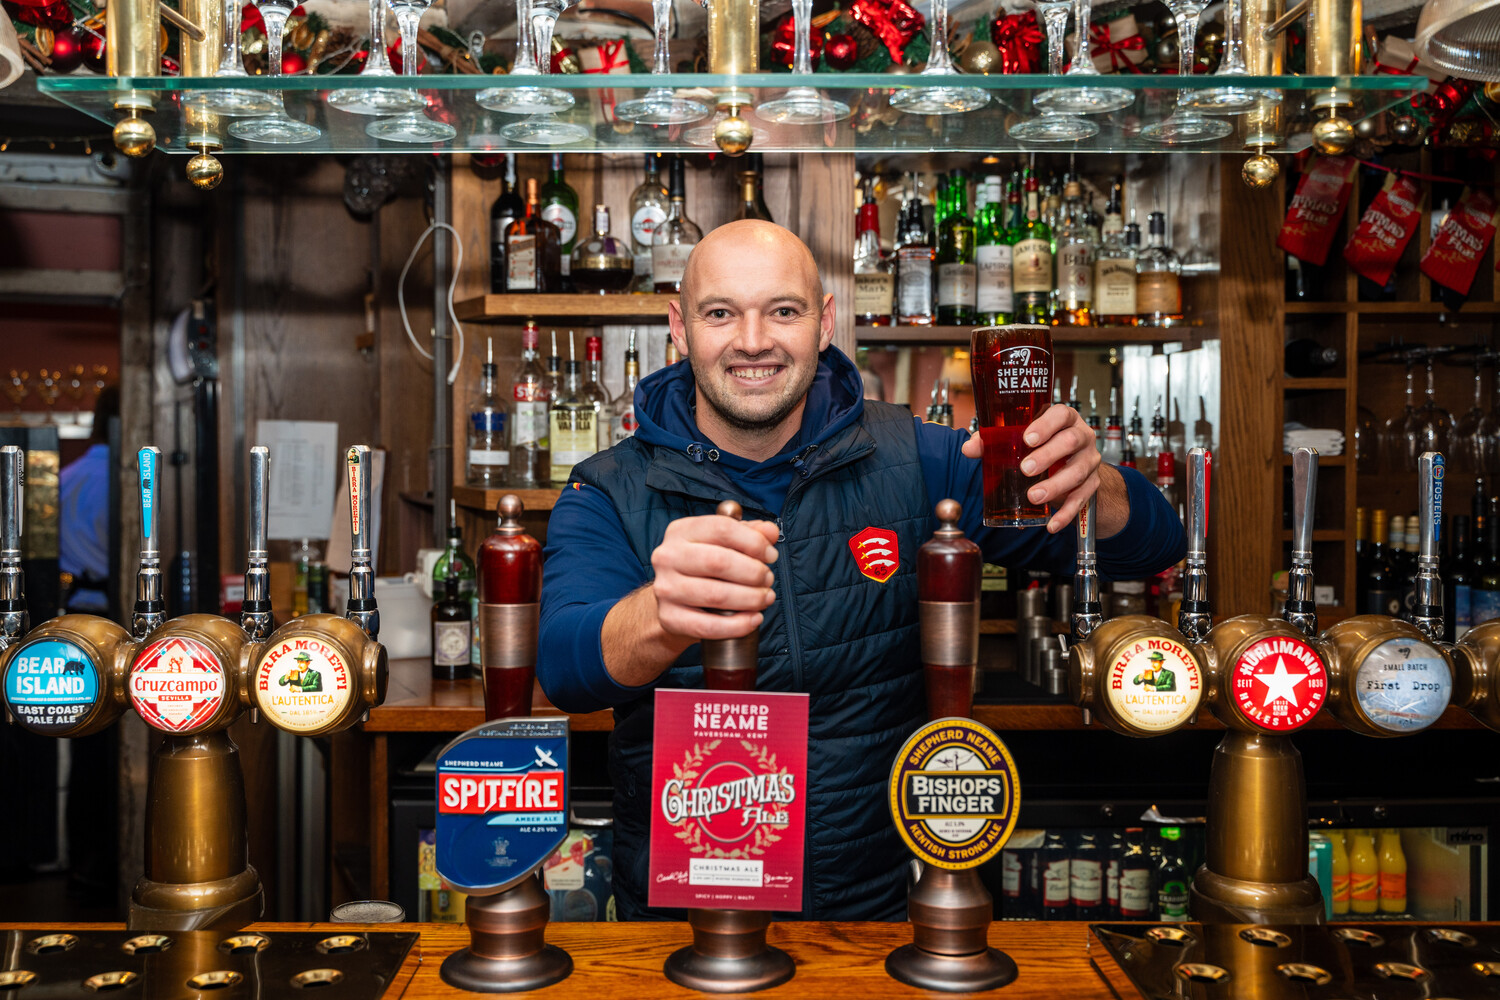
(590, 565)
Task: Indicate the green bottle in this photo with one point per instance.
(994, 298)
(560, 207)
(1032, 260)
(955, 257)
(455, 563)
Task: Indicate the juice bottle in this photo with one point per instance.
(1340, 872)
(1364, 874)
(1392, 873)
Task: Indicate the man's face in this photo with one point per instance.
(755, 321)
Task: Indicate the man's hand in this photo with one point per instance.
(1062, 443)
(713, 562)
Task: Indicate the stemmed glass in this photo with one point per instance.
(1487, 448)
(1434, 424)
(1418, 429)
(544, 129)
(804, 105)
(1083, 100)
(661, 106)
(414, 126)
(1467, 439)
(930, 96)
(276, 127)
(384, 100)
(234, 101)
(1401, 429)
(1053, 125)
(525, 100)
(1229, 99)
(1185, 124)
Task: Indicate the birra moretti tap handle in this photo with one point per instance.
(255, 613)
(1301, 611)
(150, 609)
(1195, 617)
(1088, 612)
(1427, 609)
(361, 608)
(13, 619)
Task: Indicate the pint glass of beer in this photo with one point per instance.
(1012, 368)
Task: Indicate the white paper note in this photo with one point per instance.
(305, 467)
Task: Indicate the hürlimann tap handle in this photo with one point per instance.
(150, 610)
(1088, 612)
(1301, 612)
(14, 621)
(1427, 609)
(1195, 617)
(361, 608)
(255, 613)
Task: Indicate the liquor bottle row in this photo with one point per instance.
(1098, 875)
(1016, 259)
(1469, 560)
(536, 244)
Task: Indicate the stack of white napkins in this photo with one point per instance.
(1327, 440)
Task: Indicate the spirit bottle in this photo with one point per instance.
(1158, 288)
(1075, 263)
(648, 209)
(914, 253)
(955, 257)
(1114, 219)
(454, 566)
(874, 274)
(622, 410)
(554, 371)
(593, 389)
(1114, 434)
(530, 461)
(602, 263)
(489, 452)
(1032, 260)
(532, 249)
(560, 207)
(994, 300)
(573, 436)
(452, 628)
(674, 239)
(1114, 280)
(752, 196)
(507, 209)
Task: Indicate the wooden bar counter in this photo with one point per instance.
(623, 961)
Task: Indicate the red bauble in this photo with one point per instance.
(67, 50)
(93, 51)
(393, 55)
(293, 63)
(840, 51)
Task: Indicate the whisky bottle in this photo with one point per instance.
(560, 207)
(532, 249)
(994, 300)
(573, 436)
(506, 209)
(874, 273)
(1114, 219)
(488, 447)
(914, 253)
(674, 239)
(752, 194)
(530, 461)
(955, 257)
(1114, 281)
(622, 410)
(1158, 288)
(648, 209)
(602, 263)
(1075, 262)
(1032, 260)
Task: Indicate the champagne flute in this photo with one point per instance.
(384, 100)
(804, 105)
(277, 127)
(414, 126)
(1400, 431)
(234, 101)
(1053, 125)
(1184, 124)
(1090, 100)
(544, 129)
(661, 106)
(1434, 424)
(1230, 99)
(526, 100)
(1468, 434)
(935, 93)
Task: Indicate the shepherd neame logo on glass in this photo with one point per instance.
(1023, 369)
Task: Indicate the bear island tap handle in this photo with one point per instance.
(14, 622)
(1300, 611)
(1427, 610)
(1195, 617)
(1088, 612)
(255, 614)
(361, 609)
(150, 610)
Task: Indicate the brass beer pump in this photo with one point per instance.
(729, 953)
(14, 621)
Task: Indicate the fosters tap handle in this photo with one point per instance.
(1195, 617)
(361, 609)
(150, 610)
(1088, 612)
(1301, 612)
(1427, 609)
(255, 614)
(14, 622)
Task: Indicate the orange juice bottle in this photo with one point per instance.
(1364, 874)
(1392, 873)
(1340, 872)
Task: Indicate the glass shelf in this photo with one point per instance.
(874, 126)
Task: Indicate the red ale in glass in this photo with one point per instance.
(510, 592)
(1012, 369)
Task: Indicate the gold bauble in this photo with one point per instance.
(205, 172)
(1259, 170)
(134, 136)
(733, 134)
(980, 57)
(1333, 136)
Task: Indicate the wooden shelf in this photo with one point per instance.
(1391, 308)
(1075, 335)
(475, 498)
(1299, 384)
(583, 310)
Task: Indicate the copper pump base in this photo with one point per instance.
(507, 952)
(729, 954)
(950, 917)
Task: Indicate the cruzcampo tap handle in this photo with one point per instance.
(255, 613)
(361, 608)
(730, 664)
(1301, 612)
(150, 609)
(1427, 609)
(1195, 617)
(1088, 612)
(14, 621)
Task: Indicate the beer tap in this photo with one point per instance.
(1195, 616)
(361, 609)
(150, 609)
(1088, 610)
(255, 613)
(14, 621)
(1427, 611)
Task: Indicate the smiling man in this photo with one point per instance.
(768, 413)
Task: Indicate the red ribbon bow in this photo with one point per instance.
(894, 22)
(1019, 40)
(784, 41)
(1381, 67)
(611, 57)
(1101, 42)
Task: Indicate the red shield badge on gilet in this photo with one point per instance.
(876, 553)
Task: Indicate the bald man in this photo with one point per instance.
(768, 413)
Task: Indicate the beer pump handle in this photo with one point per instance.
(255, 613)
(1088, 612)
(361, 608)
(1195, 617)
(730, 664)
(1301, 611)
(14, 622)
(1427, 609)
(150, 609)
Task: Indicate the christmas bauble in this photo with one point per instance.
(293, 63)
(840, 51)
(134, 136)
(1333, 136)
(1208, 47)
(1164, 53)
(1259, 170)
(93, 50)
(980, 57)
(733, 134)
(298, 33)
(205, 171)
(1406, 130)
(67, 50)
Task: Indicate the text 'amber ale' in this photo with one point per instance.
(1012, 369)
